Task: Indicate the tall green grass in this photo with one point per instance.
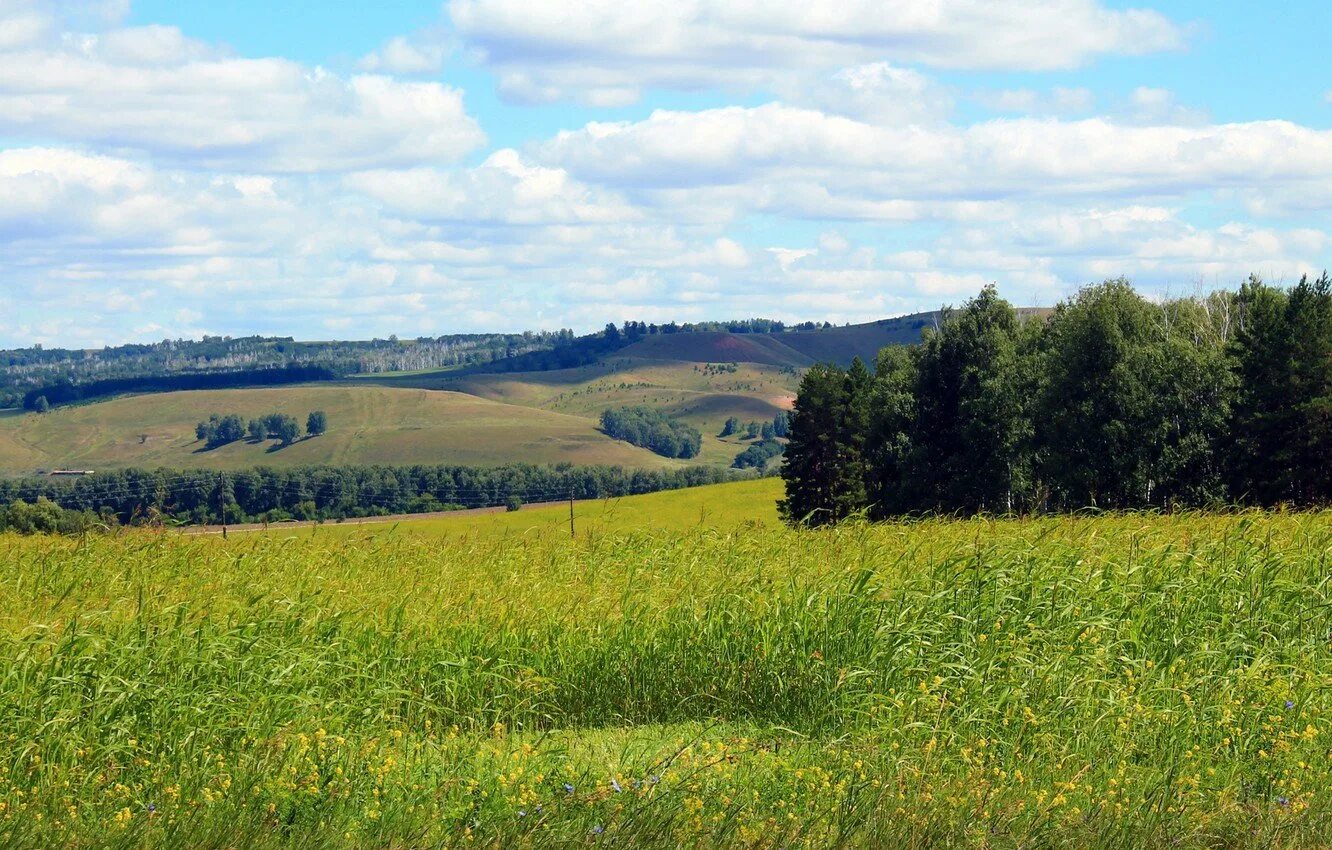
(1119, 681)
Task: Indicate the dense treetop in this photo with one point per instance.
(1114, 402)
(652, 429)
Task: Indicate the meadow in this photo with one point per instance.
(1097, 681)
(367, 425)
(703, 394)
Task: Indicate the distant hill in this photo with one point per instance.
(517, 409)
(797, 349)
(366, 425)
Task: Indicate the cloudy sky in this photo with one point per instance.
(322, 170)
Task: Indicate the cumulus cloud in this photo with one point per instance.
(152, 89)
(1057, 101)
(877, 92)
(607, 52)
(162, 185)
(844, 162)
(504, 189)
(422, 54)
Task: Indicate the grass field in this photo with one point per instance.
(719, 507)
(702, 396)
(366, 425)
(1115, 681)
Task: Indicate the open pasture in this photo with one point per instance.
(367, 425)
(1114, 681)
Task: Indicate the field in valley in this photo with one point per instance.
(1112, 681)
(717, 507)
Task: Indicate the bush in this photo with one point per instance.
(219, 431)
(46, 517)
(757, 455)
(652, 429)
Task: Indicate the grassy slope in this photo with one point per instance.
(366, 425)
(722, 507)
(669, 372)
(1112, 681)
(685, 389)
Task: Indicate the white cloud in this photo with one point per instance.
(424, 54)
(878, 93)
(776, 156)
(503, 189)
(1147, 105)
(1057, 101)
(152, 89)
(606, 51)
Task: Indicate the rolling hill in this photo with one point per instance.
(366, 425)
(702, 377)
(467, 416)
(797, 349)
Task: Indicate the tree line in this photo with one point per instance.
(217, 431)
(653, 430)
(570, 351)
(25, 369)
(1112, 401)
(65, 391)
(138, 496)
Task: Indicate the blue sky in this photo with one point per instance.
(347, 170)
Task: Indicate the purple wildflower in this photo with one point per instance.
(1289, 705)
(616, 786)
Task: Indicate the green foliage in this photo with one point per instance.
(1113, 402)
(285, 429)
(757, 455)
(652, 429)
(732, 426)
(316, 423)
(220, 430)
(242, 361)
(1108, 682)
(513, 503)
(825, 469)
(46, 517)
(198, 496)
(41, 405)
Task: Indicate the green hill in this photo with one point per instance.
(366, 425)
(704, 395)
(798, 349)
(467, 417)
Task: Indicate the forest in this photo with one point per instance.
(63, 391)
(138, 496)
(27, 371)
(653, 430)
(1113, 401)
